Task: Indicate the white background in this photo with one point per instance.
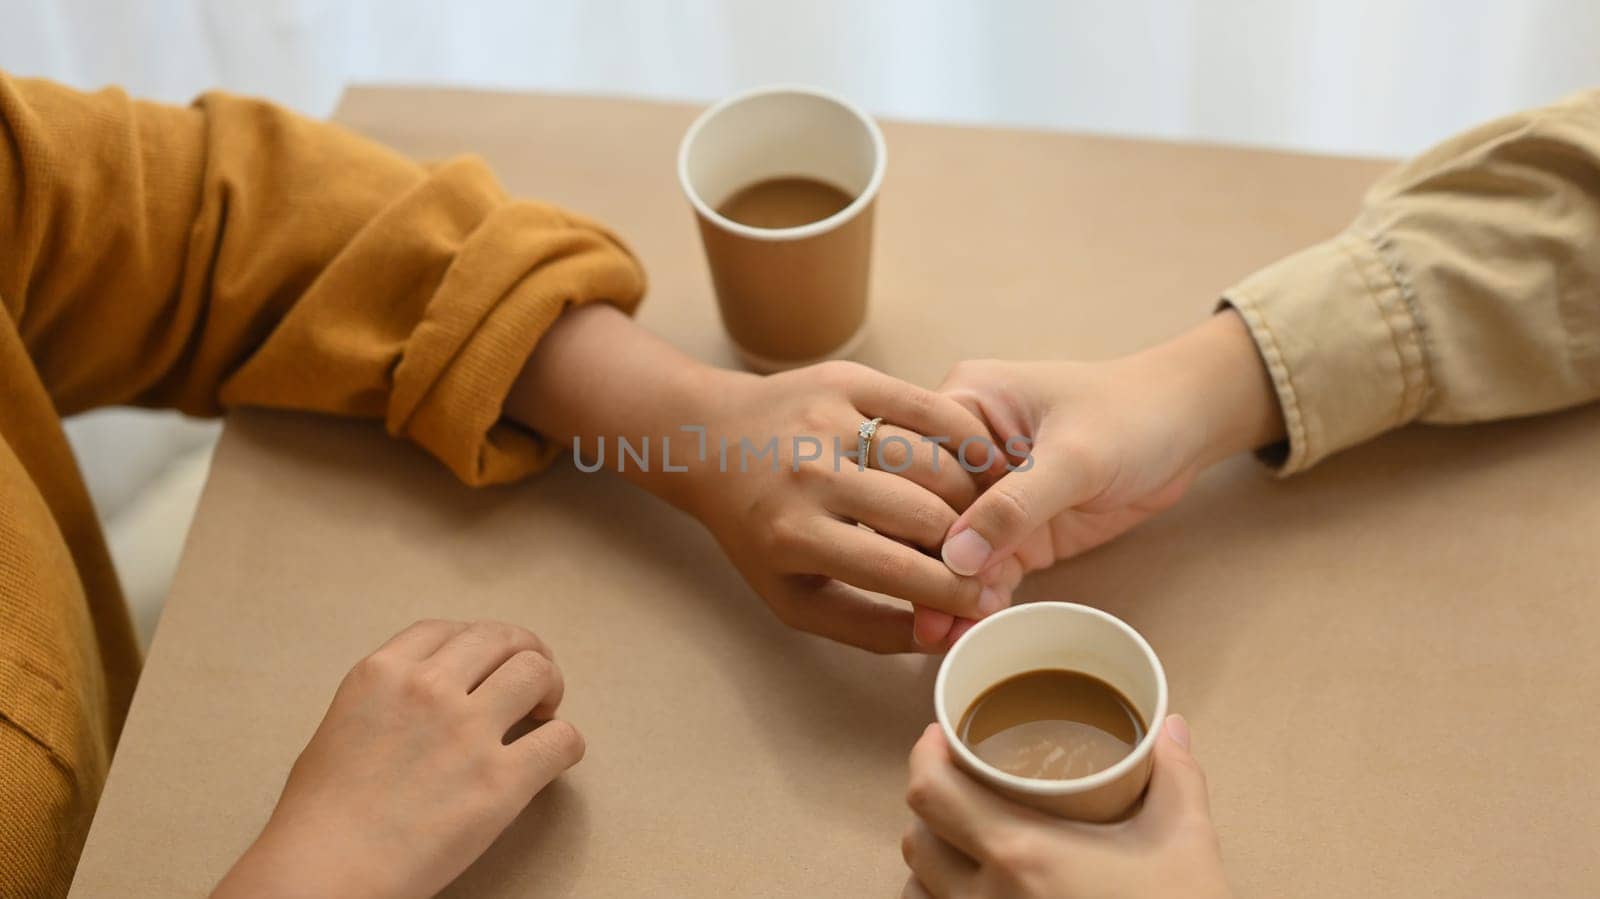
(1344, 76)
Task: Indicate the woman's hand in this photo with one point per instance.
(790, 523)
(411, 776)
(791, 529)
(969, 843)
(1112, 443)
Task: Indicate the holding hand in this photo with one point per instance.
(970, 843)
(792, 528)
(1113, 443)
(411, 776)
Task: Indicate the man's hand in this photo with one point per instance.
(1112, 443)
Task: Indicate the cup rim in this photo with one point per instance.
(1050, 787)
(799, 232)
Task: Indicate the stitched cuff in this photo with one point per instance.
(1336, 330)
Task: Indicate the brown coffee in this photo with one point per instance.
(784, 203)
(1051, 724)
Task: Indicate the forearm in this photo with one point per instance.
(1214, 378)
(284, 862)
(598, 375)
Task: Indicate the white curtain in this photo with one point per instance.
(1361, 76)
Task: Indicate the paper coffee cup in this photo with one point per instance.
(789, 296)
(1056, 635)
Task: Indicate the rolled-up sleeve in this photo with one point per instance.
(232, 253)
(1467, 289)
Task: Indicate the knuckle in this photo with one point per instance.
(809, 473)
(920, 793)
(1009, 509)
(476, 635)
(785, 537)
(934, 520)
(963, 370)
(890, 567)
(818, 419)
(917, 401)
(531, 669)
(897, 453)
(838, 371)
(908, 844)
(567, 741)
(967, 592)
(375, 669)
(495, 632)
(1016, 852)
(968, 371)
(423, 686)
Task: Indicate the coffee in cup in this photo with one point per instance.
(783, 182)
(1056, 706)
(1052, 724)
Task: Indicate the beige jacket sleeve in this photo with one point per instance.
(1468, 288)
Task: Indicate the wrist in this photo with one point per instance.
(283, 862)
(1221, 389)
(597, 376)
(683, 430)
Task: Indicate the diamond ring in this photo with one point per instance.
(864, 434)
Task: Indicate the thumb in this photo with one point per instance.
(1015, 506)
(1177, 785)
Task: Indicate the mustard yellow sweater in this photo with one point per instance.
(200, 258)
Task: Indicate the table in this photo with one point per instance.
(1389, 662)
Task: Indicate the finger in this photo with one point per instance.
(1177, 785)
(937, 866)
(1018, 504)
(928, 465)
(893, 506)
(1001, 579)
(843, 614)
(920, 410)
(469, 657)
(543, 753)
(1038, 550)
(937, 631)
(930, 628)
(873, 562)
(421, 639)
(914, 890)
(956, 808)
(526, 684)
(1004, 573)
(961, 626)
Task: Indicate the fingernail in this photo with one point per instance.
(966, 552)
(989, 602)
(1178, 730)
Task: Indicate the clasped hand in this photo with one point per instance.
(1076, 453)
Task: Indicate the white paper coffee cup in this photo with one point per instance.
(788, 296)
(1067, 636)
